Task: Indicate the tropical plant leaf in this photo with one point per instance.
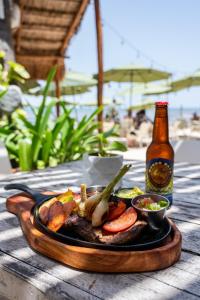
(12, 148)
(28, 124)
(42, 106)
(46, 149)
(3, 92)
(41, 131)
(40, 125)
(83, 125)
(25, 158)
(116, 146)
(60, 122)
(17, 69)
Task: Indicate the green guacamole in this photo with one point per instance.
(129, 193)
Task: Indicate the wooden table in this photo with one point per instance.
(25, 274)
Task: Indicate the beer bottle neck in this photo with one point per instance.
(160, 129)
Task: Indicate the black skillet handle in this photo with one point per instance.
(22, 187)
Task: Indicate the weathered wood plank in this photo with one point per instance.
(15, 244)
(178, 282)
(184, 275)
(154, 285)
(191, 236)
(28, 282)
(62, 176)
(185, 211)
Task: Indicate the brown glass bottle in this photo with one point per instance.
(160, 156)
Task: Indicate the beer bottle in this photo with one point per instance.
(160, 156)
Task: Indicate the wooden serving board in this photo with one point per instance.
(89, 259)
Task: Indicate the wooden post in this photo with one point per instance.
(131, 93)
(17, 46)
(6, 43)
(58, 97)
(100, 60)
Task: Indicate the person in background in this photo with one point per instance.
(140, 118)
(113, 114)
(195, 117)
(127, 123)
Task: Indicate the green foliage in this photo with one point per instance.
(16, 72)
(25, 153)
(48, 141)
(11, 72)
(103, 144)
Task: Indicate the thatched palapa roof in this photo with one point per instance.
(45, 32)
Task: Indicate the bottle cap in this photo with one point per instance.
(161, 103)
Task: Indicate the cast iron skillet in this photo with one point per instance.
(148, 240)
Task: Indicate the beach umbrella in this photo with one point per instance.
(77, 78)
(135, 73)
(67, 90)
(137, 89)
(186, 82)
(147, 89)
(106, 102)
(73, 83)
(145, 106)
(157, 90)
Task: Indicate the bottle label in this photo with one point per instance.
(159, 177)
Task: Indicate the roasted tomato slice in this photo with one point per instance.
(116, 209)
(127, 219)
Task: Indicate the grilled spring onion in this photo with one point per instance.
(100, 213)
(81, 206)
(96, 206)
(83, 193)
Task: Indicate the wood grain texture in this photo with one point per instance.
(93, 259)
(99, 38)
(57, 281)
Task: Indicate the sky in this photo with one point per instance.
(166, 33)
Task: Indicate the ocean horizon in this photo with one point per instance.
(80, 111)
(174, 113)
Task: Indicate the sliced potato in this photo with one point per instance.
(56, 216)
(44, 210)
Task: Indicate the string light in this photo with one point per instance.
(131, 45)
(139, 53)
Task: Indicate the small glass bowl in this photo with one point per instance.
(154, 218)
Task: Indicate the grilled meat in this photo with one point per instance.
(84, 229)
(123, 237)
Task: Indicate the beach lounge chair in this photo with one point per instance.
(144, 134)
(183, 150)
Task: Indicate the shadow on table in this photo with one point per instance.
(60, 282)
(68, 283)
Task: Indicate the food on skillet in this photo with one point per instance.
(149, 204)
(93, 218)
(84, 229)
(129, 193)
(81, 205)
(54, 212)
(115, 210)
(96, 206)
(124, 221)
(44, 210)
